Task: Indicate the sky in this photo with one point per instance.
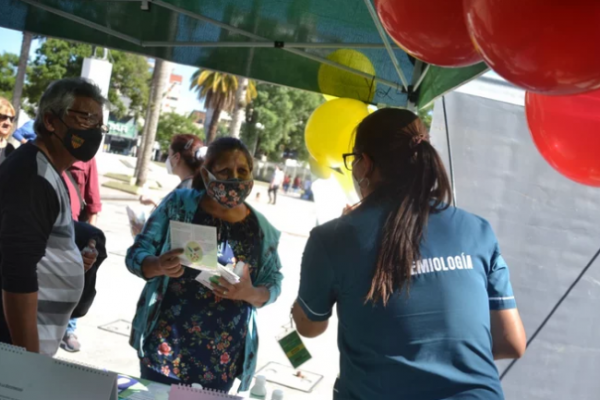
(10, 42)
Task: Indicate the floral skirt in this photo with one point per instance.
(199, 337)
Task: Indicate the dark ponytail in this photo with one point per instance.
(188, 147)
(414, 178)
(215, 150)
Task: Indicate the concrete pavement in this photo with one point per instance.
(118, 290)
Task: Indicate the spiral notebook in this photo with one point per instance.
(32, 376)
(180, 392)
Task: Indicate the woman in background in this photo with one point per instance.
(423, 295)
(7, 120)
(183, 331)
(184, 160)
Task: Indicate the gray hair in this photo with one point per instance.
(60, 95)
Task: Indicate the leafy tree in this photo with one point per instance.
(57, 59)
(275, 121)
(426, 115)
(130, 78)
(219, 93)
(8, 69)
(171, 124)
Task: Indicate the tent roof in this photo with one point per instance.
(283, 42)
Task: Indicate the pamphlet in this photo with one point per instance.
(199, 244)
(144, 390)
(229, 273)
(136, 221)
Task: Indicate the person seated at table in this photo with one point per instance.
(183, 331)
(423, 294)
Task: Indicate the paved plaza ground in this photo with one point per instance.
(118, 290)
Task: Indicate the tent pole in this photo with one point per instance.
(266, 44)
(421, 78)
(300, 53)
(386, 43)
(450, 163)
(85, 22)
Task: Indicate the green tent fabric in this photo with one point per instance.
(296, 43)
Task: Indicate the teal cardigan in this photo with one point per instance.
(181, 205)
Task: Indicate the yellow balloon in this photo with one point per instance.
(340, 83)
(318, 170)
(345, 180)
(329, 130)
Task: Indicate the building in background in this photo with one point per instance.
(198, 117)
(122, 135)
(170, 101)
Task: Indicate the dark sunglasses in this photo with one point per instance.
(11, 118)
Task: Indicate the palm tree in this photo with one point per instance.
(20, 79)
(244, 95)
(219, 93)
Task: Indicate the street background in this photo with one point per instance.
(118, 290)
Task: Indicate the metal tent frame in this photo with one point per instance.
(258, 41)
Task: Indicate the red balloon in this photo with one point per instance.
(544, 46)
(566, 131)
(433, 31)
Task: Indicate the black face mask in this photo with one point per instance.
(83, 144)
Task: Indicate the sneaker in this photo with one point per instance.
(70, 343)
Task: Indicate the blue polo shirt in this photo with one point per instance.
(433, 343)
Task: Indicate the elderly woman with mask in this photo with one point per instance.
(183, 331)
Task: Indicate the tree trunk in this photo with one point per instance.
(160, 78)
(237, 116)
(207, 119)
(21, 70)
(214, 126)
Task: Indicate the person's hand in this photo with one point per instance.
(89, 255)
(147, 201)
(244, 290)
(349, 208)
(169, 264)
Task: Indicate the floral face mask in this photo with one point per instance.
(230, 193)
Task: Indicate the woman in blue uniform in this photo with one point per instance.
(423, 294)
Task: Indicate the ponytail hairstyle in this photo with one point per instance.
(413, 177)
(188, 147)
(216, 150)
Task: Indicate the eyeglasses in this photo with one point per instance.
(85, 118)
(4, 117)
(349, 159)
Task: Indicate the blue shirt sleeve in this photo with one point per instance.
(317, 292)
(500, 291)
(25, 132)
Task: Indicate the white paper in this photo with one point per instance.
(136, 221)
(32, 376)
(204, 278)
(199, 244)
(226, 272)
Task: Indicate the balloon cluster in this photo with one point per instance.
(545, 47)
(329, 133)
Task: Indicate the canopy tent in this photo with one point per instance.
(284, 42)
